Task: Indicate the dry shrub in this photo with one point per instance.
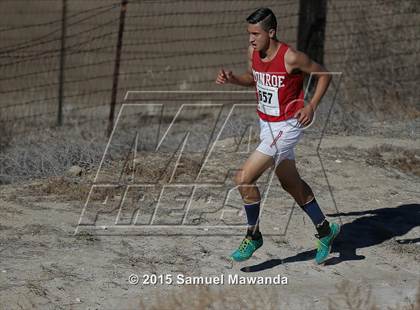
(48, 154)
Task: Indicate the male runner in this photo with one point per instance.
(277, 72)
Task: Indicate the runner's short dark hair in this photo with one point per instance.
(264, 16)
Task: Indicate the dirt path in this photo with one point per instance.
(43, 265)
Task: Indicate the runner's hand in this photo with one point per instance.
(305, 115)
(224, 77)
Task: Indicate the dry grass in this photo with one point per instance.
(406, 248)
(356, 297)
(407, 161)
(70, 189)
(61, 187)
(205, 297)
(352, 297)
(159, 167)
(349, 296)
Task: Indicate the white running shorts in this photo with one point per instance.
(278, 139)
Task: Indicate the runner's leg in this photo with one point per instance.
(292, 183)
(290, 180)
(246, 178)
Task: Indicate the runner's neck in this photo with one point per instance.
(271, 52)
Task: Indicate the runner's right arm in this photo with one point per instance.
(246, 79)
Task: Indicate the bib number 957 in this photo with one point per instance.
(265, 97)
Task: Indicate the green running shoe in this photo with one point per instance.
(324, 244)
(246, 249)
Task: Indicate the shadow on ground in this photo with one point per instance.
(372, 228)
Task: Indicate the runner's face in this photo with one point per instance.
(258, 38)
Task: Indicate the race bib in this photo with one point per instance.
(268, 100)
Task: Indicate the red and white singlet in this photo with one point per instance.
(279, 94)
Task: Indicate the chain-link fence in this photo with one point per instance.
(52, 60)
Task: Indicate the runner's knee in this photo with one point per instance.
(241, 179)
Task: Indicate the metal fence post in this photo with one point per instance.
(62, 63)
(311, 33)
(311, 28)
(117, 67)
